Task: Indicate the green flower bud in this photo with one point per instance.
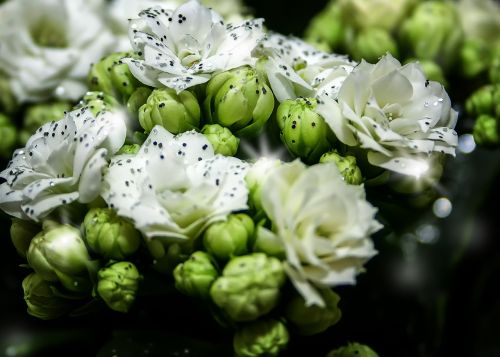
(495, 70)
(487, 130)
(303, 131)
(40, 114)
(326, 27)
(43, 300)
(486, 100)
(222, 140)
(196, 275)
(372, 43)
(111, 76)
(129, 149)
(240, 100)
(8, 102)
(260, 338)
(21, 233)
(109, 235)
(310, 320)
(8, 135)
(97, 102)
(225, 240)
(353, 350)
(475, 57)
(175, 112)
(385, 14)
(432, 32)
(346, 165)
(138, 99)
(59, 254)
(118, 285)
(249, 286)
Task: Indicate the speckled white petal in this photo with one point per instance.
(42, 206)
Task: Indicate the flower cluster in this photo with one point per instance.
(150, 167)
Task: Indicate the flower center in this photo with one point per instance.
(46, 33)
(189, 58)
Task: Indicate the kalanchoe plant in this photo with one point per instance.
(298, 200)
(222, 140)
(182, 48)
(395, 113)
(201, 188)
(40, 114)
(61, 163)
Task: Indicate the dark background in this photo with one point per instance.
(444, 302)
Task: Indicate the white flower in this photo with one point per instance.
(120, 11)
(323, 223)
(395, 113)
(295, 68)
(47, 46)
(185, 47)
(175, 186)
(61, 163)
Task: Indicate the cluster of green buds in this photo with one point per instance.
(432, 33)
(230, 238)
(260, 338)
(346, 165)
(221, 138)
(58, 254)
(196, 275)
(176, 112)
(109, 235)
(303, 131)
(353, 350)
(484, 104)
(8, 133)
(249, 286)
(98, 102)
(311, 320)
(118, 284)
(39, 114)
(474, 57)
(111, 76)
(240, 100)
(43, 299)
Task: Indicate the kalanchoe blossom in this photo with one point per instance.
(61, 163)
(323, 223)
(183, 48)
(47, 46)
(174, 186)
(295, 68)
(395, 113)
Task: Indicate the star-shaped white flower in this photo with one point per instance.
(183, 48)
(174, 187)
(395, 113)
(296, 69)
(61, 163)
